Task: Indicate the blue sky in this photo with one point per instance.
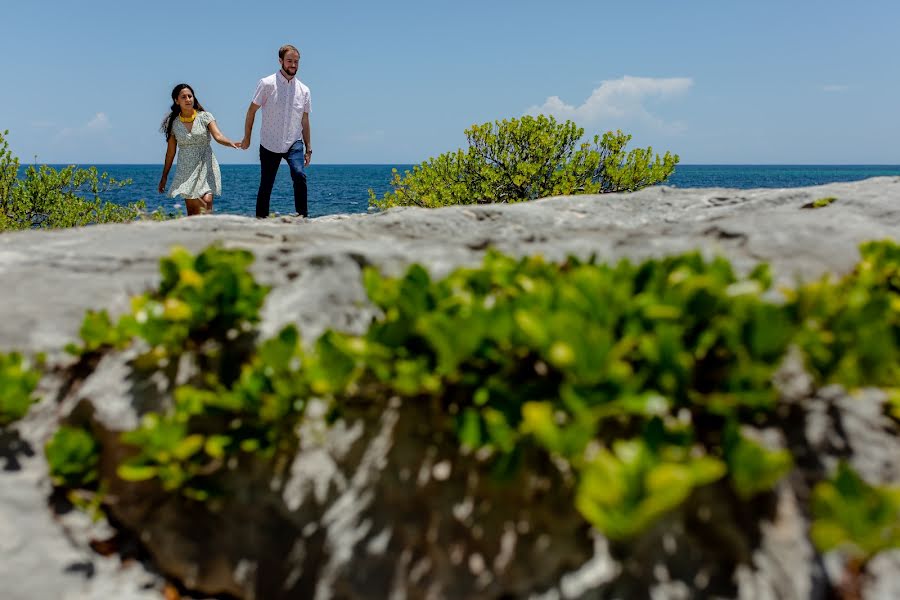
(396, 82)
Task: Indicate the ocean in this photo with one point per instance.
(336, 189)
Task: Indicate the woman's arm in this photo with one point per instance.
(170, 156)
(217, 135)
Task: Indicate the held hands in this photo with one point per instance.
(236, 145)
(245, 143)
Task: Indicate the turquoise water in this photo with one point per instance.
(774, 176)
(335, 189)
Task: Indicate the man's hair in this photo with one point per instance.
(285, 49)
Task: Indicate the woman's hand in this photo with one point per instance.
(162, 185)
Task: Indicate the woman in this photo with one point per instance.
(188, 127)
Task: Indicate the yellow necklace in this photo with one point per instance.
(189, 119)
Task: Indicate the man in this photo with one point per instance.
(285, 130)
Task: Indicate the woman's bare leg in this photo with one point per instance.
(193, 206)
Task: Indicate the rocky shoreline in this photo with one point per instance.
(314, 266)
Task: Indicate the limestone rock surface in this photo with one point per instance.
(380, 505)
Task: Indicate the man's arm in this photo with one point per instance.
(248, 124)
(306, 136)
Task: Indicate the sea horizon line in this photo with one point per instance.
(223, 164)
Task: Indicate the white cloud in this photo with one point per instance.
(619, 100)
(835, 88)
(99, 122)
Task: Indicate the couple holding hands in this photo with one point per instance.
(284, 135)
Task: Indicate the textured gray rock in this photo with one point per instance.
(381, 506)
(51, 277)
(47, 555)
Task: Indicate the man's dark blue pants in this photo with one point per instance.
(269, 162)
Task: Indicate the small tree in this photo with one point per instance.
(526, 159)
(69, 197)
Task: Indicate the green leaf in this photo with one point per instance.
(18, 381)
(624, 491)
(135, 473)
(216, 445)
(754, 468)
(470, 429)
(72, 456)
(189, 446)
(849, 513)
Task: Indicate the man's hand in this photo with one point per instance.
(245, 143)
(306, 158)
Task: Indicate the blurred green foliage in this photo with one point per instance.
(851, 515)
(72, 457)
(206, 306)
(19, 377)
(648, 380)
(850, 330)
(207, 298)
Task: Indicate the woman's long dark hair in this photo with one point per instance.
(166, 127)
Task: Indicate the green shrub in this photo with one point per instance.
(526, 159)
(70, 197)
(18, 380)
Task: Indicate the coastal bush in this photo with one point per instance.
(18, 380)
(526, 159)
(69, 197)
(647, 380)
